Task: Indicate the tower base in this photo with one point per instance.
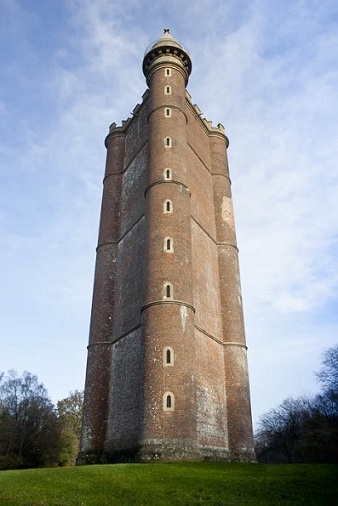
(156, 450)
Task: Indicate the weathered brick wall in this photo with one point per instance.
(98, 362)
(210, 393)
(129, 281)
(210, 387)
(126, 377)
(240, 435)
(133, 186)
(126, 393)
(206, 283)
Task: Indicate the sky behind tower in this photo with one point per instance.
(267, 70)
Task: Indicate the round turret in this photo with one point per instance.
(166, 50)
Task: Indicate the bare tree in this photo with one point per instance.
(328, 375)
(304, 430)
(29, 429)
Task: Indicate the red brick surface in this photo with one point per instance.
(202, 322)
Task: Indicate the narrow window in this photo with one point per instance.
(168, 244)
(167, 206)
(167, 173)
(167, 72)
(168, 356)
(167, 142)
(167, 90)
(168, 291)
(167, 112)
(168, 401)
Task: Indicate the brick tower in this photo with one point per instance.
(167, 369)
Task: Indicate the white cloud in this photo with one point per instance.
(263, 69)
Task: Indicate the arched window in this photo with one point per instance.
(168, 356)
(167, 112)
(167, 90)
(168, 401)
(167, 142)
(168, 291)
(167, 72)
(167, 206)
(168, 244)
(167, 174)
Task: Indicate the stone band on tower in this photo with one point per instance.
(167, 369)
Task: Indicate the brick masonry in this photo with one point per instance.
(148, 298)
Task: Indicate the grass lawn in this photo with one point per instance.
(171, 484)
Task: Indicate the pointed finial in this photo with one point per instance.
(166, 30)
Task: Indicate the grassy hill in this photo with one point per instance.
(172, 484)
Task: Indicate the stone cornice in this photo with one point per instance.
(172, 302)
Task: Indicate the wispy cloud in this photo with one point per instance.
(265, 70)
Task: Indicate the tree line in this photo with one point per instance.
(33, 432)
(304, 429)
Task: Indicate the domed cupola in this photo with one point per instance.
(164, 51)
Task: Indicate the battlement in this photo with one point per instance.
(219, 129)
(123, 128)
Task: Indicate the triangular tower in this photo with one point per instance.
(167, 368)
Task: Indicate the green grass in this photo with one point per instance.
(172, 484)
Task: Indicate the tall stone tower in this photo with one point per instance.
(167, 371)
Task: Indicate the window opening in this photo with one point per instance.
(167, 142)
(168, 291)
(167, 206)
(168, 356)
(167, 72)
(168, 401)
(167, 173)
(167, 90)
(167, 112)
(168, 244)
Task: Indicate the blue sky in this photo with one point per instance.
(267, 70)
